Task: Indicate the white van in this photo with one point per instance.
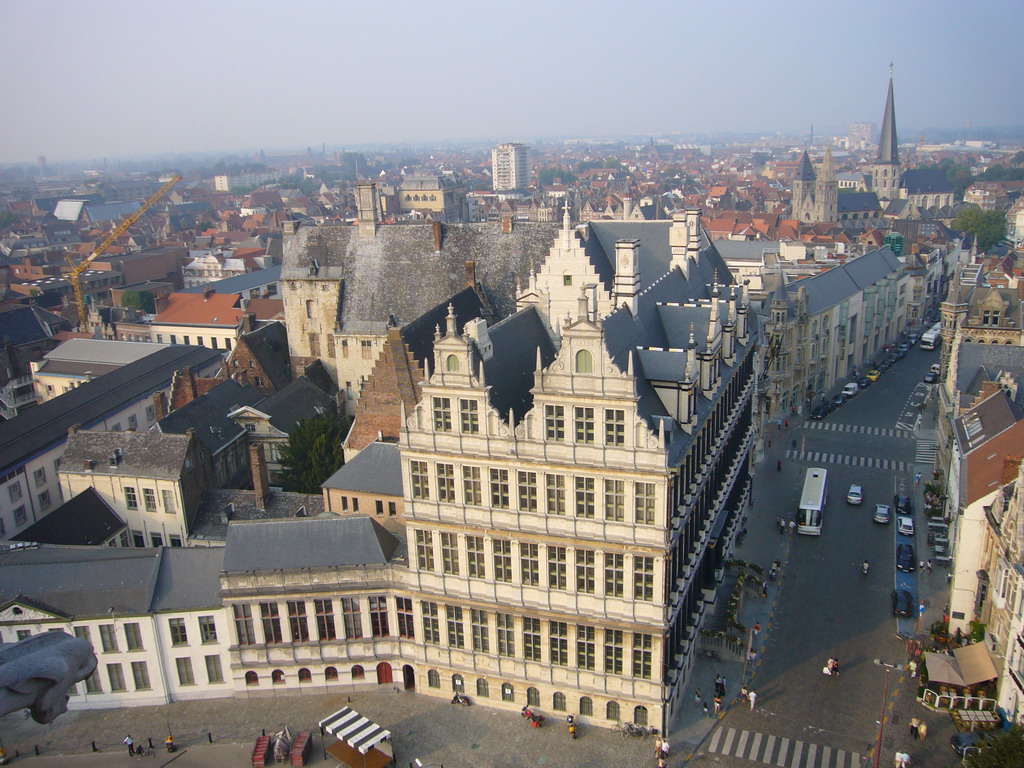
(851, 389)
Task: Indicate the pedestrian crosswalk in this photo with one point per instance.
(778, 751)
(871, 462)
(857, 429)
(926, 450)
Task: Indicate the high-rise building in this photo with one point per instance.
(509, 167)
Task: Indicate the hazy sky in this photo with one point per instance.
(85, 80)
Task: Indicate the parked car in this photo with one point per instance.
(819, 413)
(901, 352)
(851, 389)
(905, 525)
(855, 495)
(936, 369)
(903, 504)
(902, 603)
(874, 374)
(838, 400)
(963, 743)
(905, 560)
(914, 338)
(931, 378)
(882, 514)
(863, 382)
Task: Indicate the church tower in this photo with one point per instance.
(803, 192)
(826, 191)
(885, 173)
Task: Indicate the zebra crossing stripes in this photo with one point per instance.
(871, 462)
(780, 752)
(925, 453)
(858, 429)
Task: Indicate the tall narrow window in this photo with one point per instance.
(131, 499)
(555, 493)
(613, 651)
(531, 639)
(554, 422)
(420, 480)
(614, 567)
(499, 488)
(584, 423)
(403, 607)
(642, 654)
(297, 622)
(471, 487)
(456, 631)
(140, 676)
(379, 616)
(133, 636)
(108, 638)
(469, 417)
(244, 624)
(645, 503)
(527, 482)
(502, 560)
(214, 672)
(529, 564)
(442, 414)
(478, 622)
(585, 497)
(643, 578)
(185, 674)
(585, 571)
(168, 499)
(271, 619)
(116, 677)
(585, 644)
(352, 618)
(446, 482)
(556, 568)
(506, 634)
(614, 500)
(475, 557)
(584, 361)
(425, 550)
(614, 426)
(325, 629)
(431, 626)
(207, 629)
(179, 634)
(559, 642)
(149, 499)
(450, 553)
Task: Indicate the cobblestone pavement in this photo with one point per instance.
(422, 727)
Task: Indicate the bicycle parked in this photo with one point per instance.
(630, 729)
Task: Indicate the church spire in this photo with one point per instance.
(828, 169)
(888, 145)
(806, 171)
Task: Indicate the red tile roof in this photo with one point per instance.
(197, 308)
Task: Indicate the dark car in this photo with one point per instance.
(903, 504)
(863, 382)
(886, 364)
(905, 560)
(819, 413)
(901, 352)
(839, 399)
(902, 603)
(930, 377)
(967, 742)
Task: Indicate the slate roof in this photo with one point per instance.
(39, 429)
(221, 505)
(300, 544)
(189, 578)
(376, 469)
(510, 370)
(208, 415)
(977, 363)
(269, 345)
(857, 201)
(299, 400)
(835, 285)
(240, 283)
(143, 454)
(377, 271)
(926, 181)
(84, 520)
(746, 250)
(111, 211)
(26, 325)
(419, 334)
(992, 416)
(888, 144)
(805, 171)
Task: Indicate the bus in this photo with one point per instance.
(812, 502)
(931, 338)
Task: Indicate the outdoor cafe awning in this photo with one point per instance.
(354, 729)
(969, 665)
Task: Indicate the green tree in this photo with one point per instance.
(142, 300)
(960, 177)
(988, 226)
(7, 219)
(1000, 751)
(313, 453)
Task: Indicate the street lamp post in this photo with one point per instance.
(881, 716)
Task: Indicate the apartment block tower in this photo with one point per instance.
(509, 167)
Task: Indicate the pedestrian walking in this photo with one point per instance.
(792, 526)
(705, 709)
(772, 574)
(662, 763)
(130, 743)
(778, 465)
(664, 748)
(915, 723)
(782, 526)
(752, 696)
(696, 697)
(757, 630)
(764, 589)
(718, 683)
(718, 704)
(751, 656)
(835, 667)
(787, 423)
(744, 692)
(917, 479)
(912, 666)
(922, 731)
(828, 666)
(778, 423)
(928, 565)
(657, 747)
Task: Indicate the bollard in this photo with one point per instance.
(264, 731)
(37, 750)
(209, 736)
(94, 747)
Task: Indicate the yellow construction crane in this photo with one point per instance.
(75, 275)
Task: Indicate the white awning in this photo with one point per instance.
(354, 729)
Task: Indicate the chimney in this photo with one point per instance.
(476, 329)
(260, 476)
(693, 233)
(627, 207)
(677, 241)
(438, 235)
(186, 385)
(73, 429)
(159, 405)
(208, 292)
(506, 225)
(248, 322)
(627, 273)
(471, 274)
(289, 227)
(368, 208)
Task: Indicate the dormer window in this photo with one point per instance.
(990, 317)
(451, 364)
(584, 361)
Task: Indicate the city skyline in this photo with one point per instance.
(208, 80)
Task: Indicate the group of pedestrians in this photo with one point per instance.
(661, 751)
(831, 668)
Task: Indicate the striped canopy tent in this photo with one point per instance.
(354, 729)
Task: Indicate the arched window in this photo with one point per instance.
(305, 676)
(640, 715)
(458, 684)
(584, 361)
(433, 679)
(482, 689)
(508, 693)
(533, 697)
(358, 673)
(558, 702)
(611, 711)
(433, 198)
(277, 677)
(331, 673)
(586, 706)
(408, 197)
(451, 364)
(251, 678)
